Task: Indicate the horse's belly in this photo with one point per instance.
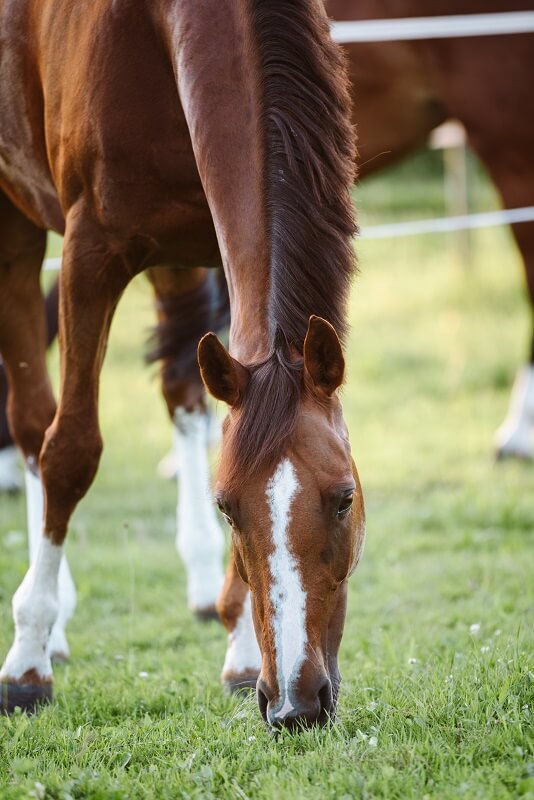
(29, 188)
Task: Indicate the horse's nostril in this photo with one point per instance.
(262, 702)
(326, 700)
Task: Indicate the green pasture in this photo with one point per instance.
(437, 697)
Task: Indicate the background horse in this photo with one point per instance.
(114, 132)
(403, 90)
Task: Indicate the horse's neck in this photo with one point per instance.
(217, 80)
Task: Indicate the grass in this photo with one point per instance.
(438, 693)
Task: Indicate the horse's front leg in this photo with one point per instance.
(58, 646)
(189, 303)
(243, 658)
(92, 281)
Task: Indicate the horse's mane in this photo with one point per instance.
(309, 149)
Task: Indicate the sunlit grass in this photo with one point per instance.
(437, 694)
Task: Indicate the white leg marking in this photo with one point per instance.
(66, 591)
(9, 470)
(35, 607)
(287, 595)
(199, 541)
(243, 654)
(513, 437)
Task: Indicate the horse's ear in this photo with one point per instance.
(323, 357)
(223, 376)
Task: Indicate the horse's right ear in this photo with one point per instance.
(223, 376)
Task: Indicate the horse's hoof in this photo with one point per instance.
(206, 614)
(508, 453)
(240, 684)
(59, 657)
(27, 696)
(10, 491)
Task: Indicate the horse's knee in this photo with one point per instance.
(69, 461)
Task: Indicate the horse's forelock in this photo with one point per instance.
(266, 419)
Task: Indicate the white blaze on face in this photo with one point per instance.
(288, 598)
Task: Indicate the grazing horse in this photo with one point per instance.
(171, 136)
(405, 89)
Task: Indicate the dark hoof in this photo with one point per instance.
(513, 455)
(27, 696)
(59, 657)
(206, 614)
(10, 491)
(243, 684)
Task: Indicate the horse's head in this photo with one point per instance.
(297, 519)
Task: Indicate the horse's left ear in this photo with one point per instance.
(223, 376)
(323, 356)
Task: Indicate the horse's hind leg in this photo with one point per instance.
(91, 284)
(31, 404)
(188, 305)
(514, 436)
(9, 477)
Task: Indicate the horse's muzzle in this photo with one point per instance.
(306, 708)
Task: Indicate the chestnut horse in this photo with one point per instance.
(115, 132)
(404, 89)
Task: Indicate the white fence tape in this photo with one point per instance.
(392, 230)
(408, 28)
(51, 264)
(486, 219)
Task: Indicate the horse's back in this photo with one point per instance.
(403, 89)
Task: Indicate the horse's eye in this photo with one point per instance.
(224, 512)
(345, 505)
